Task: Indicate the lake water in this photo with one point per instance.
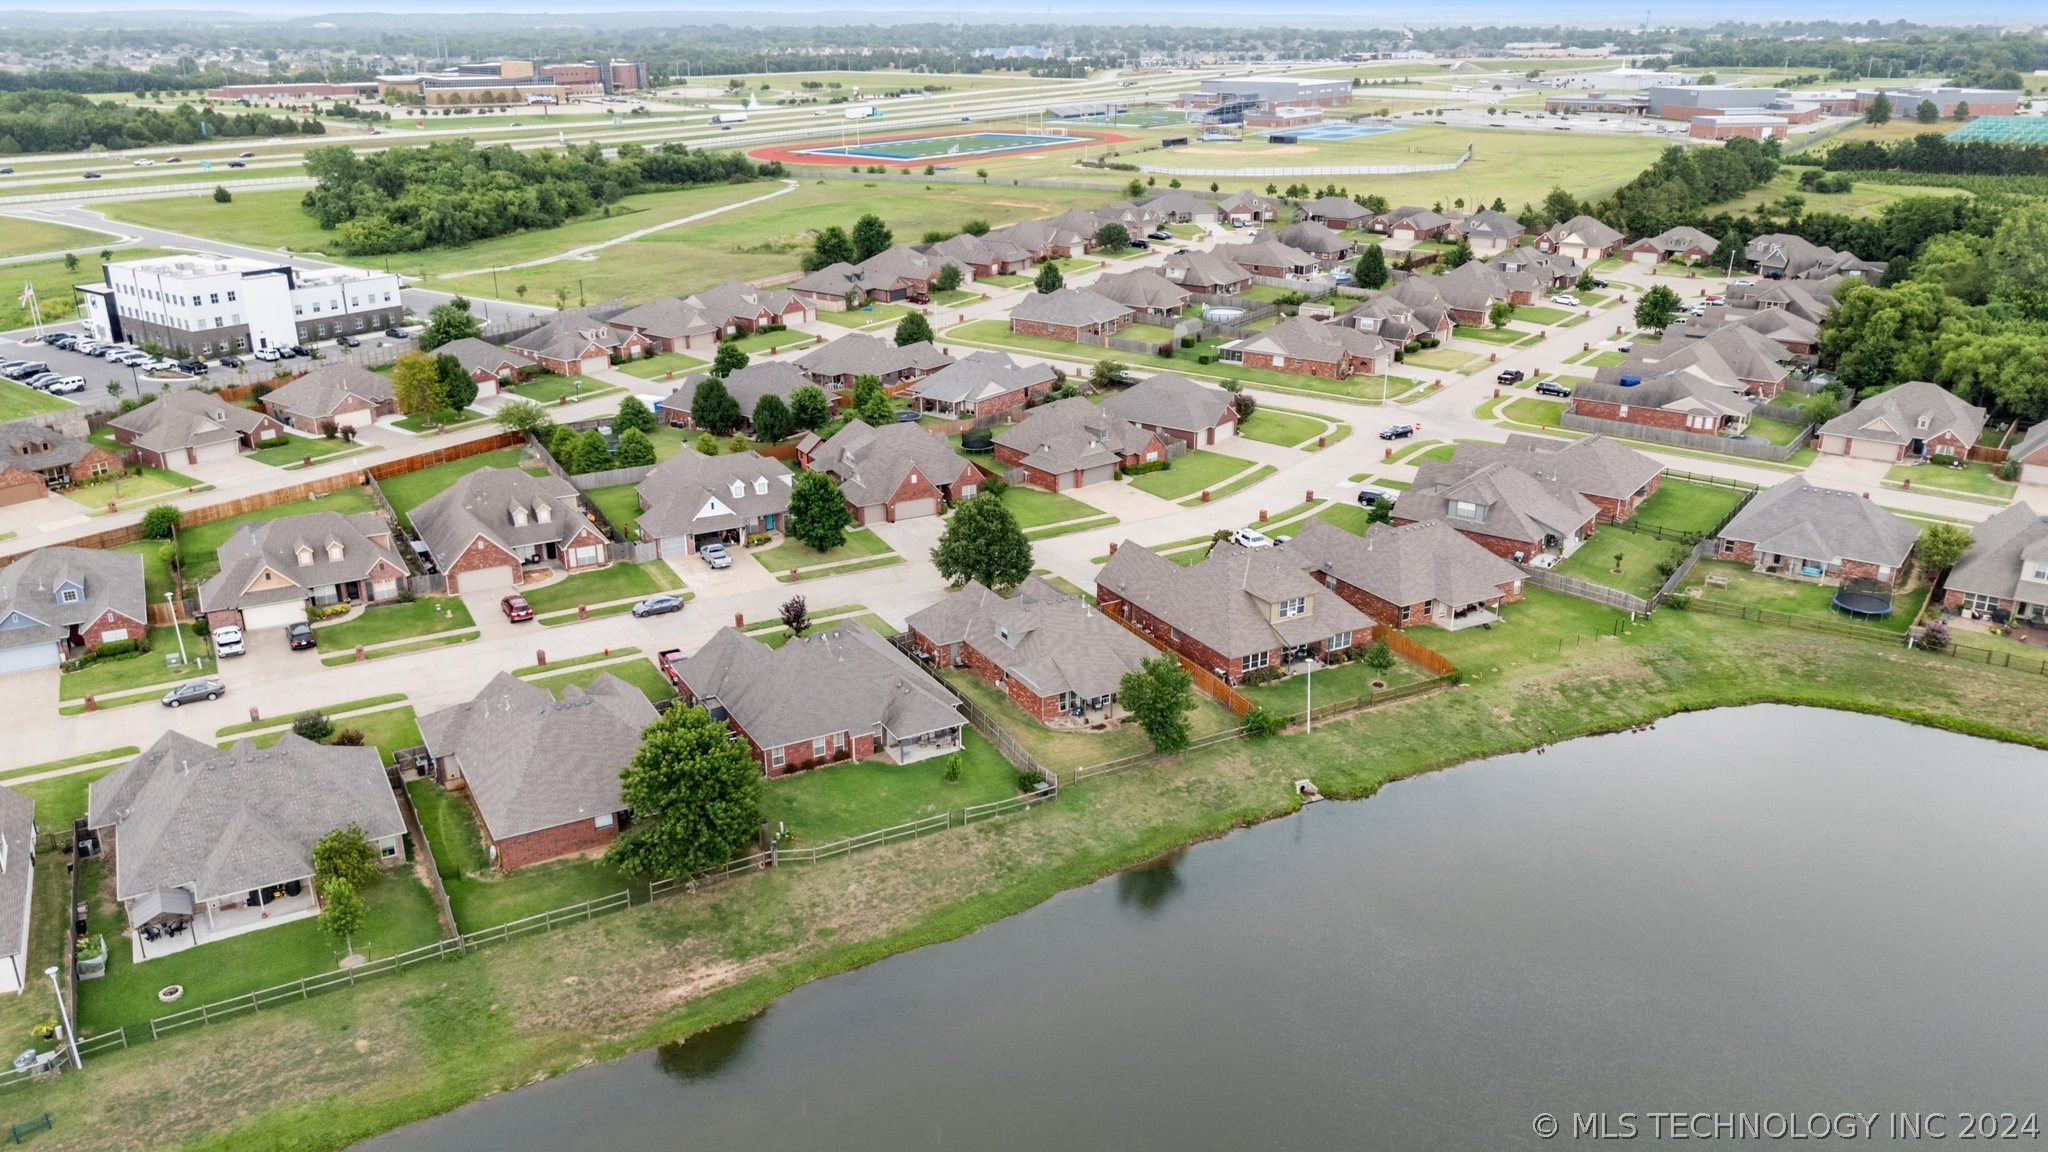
(1765, 910)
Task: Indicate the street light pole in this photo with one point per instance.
(175, 628)
(64, 1014)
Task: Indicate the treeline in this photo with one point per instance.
(50, 121)
(452, 192)
(1934, 153)
(1969, 59)
(1684, 182)
(96, 79)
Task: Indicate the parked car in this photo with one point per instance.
(715, 555)
(236, 164)
(23, 369)
(248, 155)
(515, 608)
(6, 171)
(1712, 298)
(1552, 388)
(227, 641)
(230, 362)
(145, 162)
(1370, 496)
(1138, 242)
(67, 386)
(268, 354)
(1742, 283)
(195, 367)
(297, 350)
(195, 690)
(348, 341)
(300, 637)
(658, 606)
(1161, 234)
(394, 333)
(1599, 283)
(1397, 432)
(1511, 376)
(1565, 300)
(1250, 538)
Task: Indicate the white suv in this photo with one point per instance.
(227, 641)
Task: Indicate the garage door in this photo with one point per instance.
(28, 656)
(359, 418)
(2034, 473)
(1873, 450)
(594, 363)
(482, 579)
(674, 546)
(273, 615)
(225, 450)
(909, 509)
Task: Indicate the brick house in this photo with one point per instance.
(59, 601)
(271, 570)
(897, 472)
(1152, 298)
(1914, 421)
(187, 427)
(836, 365)
(980, 256)
(1197, 415)
(1421, 573)
(1338, 212)
(1467, 293)
(1200, 271)
(1490, 232)
(1410, 223)
(1068, 314)
(1396, 322)
(489, 366)
(698, 322)
(1072, 443)
(350, 396)
(1242, 208)
(1317, 240)
(541, 773)
(1265, 257)
(1803, 532)
(2032, 454)
(1783, 256)
(746, 386)
(1510, 512)
(1738, 359)
(982, 384)
(576, 342)
(821, 699)
(1673, 400)
(2004, 575)
(35, 460)
(1615, 478)
(1582, 238)
(1237, 612)
(1047, 650)
(1682, 245)
(1312, 348)
(690, 500)
(491, 527)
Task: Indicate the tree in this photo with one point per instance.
(418, 384)
(448, 322)
(1049, 279)
(809, 408)
(913, 329)
(695, 796)
(1962, 111)
(730, 359)
(948, 279)
(832, 246)
(982, 542)
(71, 261)
(1459, 255)
(1927, 113)
(871, 403)
(221, 195)
(713, 408)
(1113, 238)
(1134, 189)
(771, 419)
(519, 415)
(1372, 268)
(1880, 110)
(635, 449)
(1586, 282)
(1499, 313)
(1657, 308)
(1941, 545)
(1160, 695)
(633, 416)
(796, 615)
(589, 453)
(456, 387)
(1107, 374)
(1378, 656)
(871, 237)
(818, 515)
(161, 522)
(1559, 205)
(975, 227)
(342, 911)
(345, 854)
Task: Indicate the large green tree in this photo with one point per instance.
(1657, 308)
(832, 246)
(912, 329)
(456, 387)
(1880, 110)
(729, 359)
(345, 853)
(1941, 545)
(948, 279)
(713, 408)
(809, 408)
(982, 542)
(1113, 238)
(695, 795)
(1372, 268)
(870, 237)
(635, 449)
(1049, 279)
(1459, 254)
(2019, 257)
(417, 383)
(818, 515)
(448, 322)
(871, 403)
(1877, 337)
(1160, 694)
(771, 419)
(634, 416)
(520, 415)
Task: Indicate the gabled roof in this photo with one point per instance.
(746, 386)
(475, 354)
(224, 821)
(1490, 225)
(1335, 208)
(487, 503)
(1068, 307)
(1180, 202)
(846, 680)
(670, 318)
(188, 419)
(1796, 518)
(566, 335)
(1682, 239)
(531, 761)
(887, 268)
(872, 464)
(1301, 338)
(1894, 416)
(992, 248)
(1591, 466)
(31, 611)
(275, 546)
(18, 831)
(1673, 391)
(1221, 602)
(690, 493)
(1412, 564)
(1172, 402)
(1516, 504)
(1247, 201)
(980, 376)
(859, 355)
(1470, 287)
(1797, 258)
(1050, 641)
(1415, 216)
(1073, 435)
(2001, 549)
(27, 444)
(1200, 271)
(738, 300)
(1144, 289)
(322, 391)
(1731, 357)
(831, 280)
(1584, 230)
(1310, 236)
(1270, 254)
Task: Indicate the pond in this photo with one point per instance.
(1767, 911)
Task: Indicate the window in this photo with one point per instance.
(1066, 702)
(1979, 602)
(241, 343)
(1465, 510)
(213, 298)
(359, 323)
(1173, 633)
(1338, 643)
(388, 848)
(316, 308)
(1292, 608)
(69, 596)
(217, 323)
(231, 297)
(298, 309)
(99, 468)
(819, 745)
(604, 821)
(1255, 661)
(777, 757)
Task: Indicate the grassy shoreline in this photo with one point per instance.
(420, 1044)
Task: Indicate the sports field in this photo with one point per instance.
(1337, 131)
(931, 147)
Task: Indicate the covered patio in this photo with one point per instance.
(909, 748)
(169, 920)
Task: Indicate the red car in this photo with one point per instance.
(515, 608)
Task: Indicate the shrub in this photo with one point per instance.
(1187, 341)
(1666, 567)
(1028, 781)
(1204, 358)
(2009, 469)
(348, 738)
(1258, 676)
(1259, 723)
(314, 726)
(161, 522)
(1144, 469)
(1936, 638)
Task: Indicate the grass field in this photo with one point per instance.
(1861, 200)
(1641, 554)
(19, 400)
(616, 582)
(1969, 480)
(1686, 506)
(53, 286)
(413, 489)
(427, 616)
(1270, 427)
(1190, 474)
(1753, 589)
(22, 236)
(860, 543)
(849, 799)
(1035, 508)
(1529, 410)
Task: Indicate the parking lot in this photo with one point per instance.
(99, 373)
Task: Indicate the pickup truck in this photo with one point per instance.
(1511, 376)
(667, 662)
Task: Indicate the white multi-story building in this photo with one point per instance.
(203, 304)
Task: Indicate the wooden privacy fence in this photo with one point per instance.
(1429, 659)
(1206, 682)
(1748, 448)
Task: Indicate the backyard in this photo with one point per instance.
(619, 504)
(1070, 748)
(1190, 474)
(480, 896)
(383, 623)
(841, 800)
(1688, 507)
(1643, 560)
(389, 731)
(412, 489)
(1342, 682)
(1751, 589)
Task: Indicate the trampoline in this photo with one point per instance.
(1864, 599)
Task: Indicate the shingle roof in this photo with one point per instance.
(225, 821)
(1301, 338)
(1412, 564)
(31, 613)
(1584, 230)
(1683, 239)
(1144, 289)
(1674, 391)
(532, 761)
(475, 354)
(858, 355)
(322, 391)
(1071, 307)
(29, 445)
(692, 493)
(1335, 208)
(1515, 504)
(1797, 258)
(1798, 519)
(1049, 640)
(831, 280)
(187, 419)
(671, 318)
(872, 463)
(483, 503)
(1200, 271)
(1592, 466)
(18, 832)
(2000, 553)
(1173, 402)
(846, 680)
(1073, 435)
(1416, 216)
(1893, 416)
(1247, 201)
(1221, 601)
(274, 545)
(746, 386)
(1310, 236)
(1270, 254)
(1180, 202)
(567, 334)
(980, 376)
(1490, 225)
(1732, 357)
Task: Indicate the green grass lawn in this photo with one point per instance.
(1440, 359)
(1774, 431)
(480, 897)
(61, 799)
(1529, 410)
(156, 566)
(1607, 359)
(427, 616)
(1540, 628)
(841, 800)
(762, 343)
(795, 554)
(1489, 335)
(1235, 486)
(1190, 474)
(872, 314)
(614, 583)
(387, 731)
(620, 504)
(18, 401)
(1969, 480)
(1349, 517)
(297, 448)
(1753, 589)
(657, 367)
(27, 237)
(1688, 507)
(413, 489)
(53, 296)
(547, 388)
(1290, 697)
(1641, 554)
(130, 488)
(401, 918)
(135, 670)
(198, 544)
(1004, 281)
(1270, 427)
(1035, 508)
(1542, 314)
(1067, 748)
(422, 423)
(641, 674)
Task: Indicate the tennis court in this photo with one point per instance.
(1340, 131)
(1130, 118)
(962, 144)
(2023, 130)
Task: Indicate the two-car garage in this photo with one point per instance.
(41, 654)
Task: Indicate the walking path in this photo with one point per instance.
(587, 250)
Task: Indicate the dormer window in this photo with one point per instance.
(1926, 418)
(1466, 510)
(1289, 609)
(519, 515)
(305, 555)
(542, 513)
(760, 485)
(2040, 573)
(70, 595)
(739, 489)
(334, 550)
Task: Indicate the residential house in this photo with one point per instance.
(1464, 296)
(212, 842)
(1615, 478)
(1339, 212)
(979, 257)
(834, 366)
(1263, 257)
(1677, 400)
(778, 378)
(896, 472)
(542, 773)
(2032, 454)
(1318, 240)
(1238, 612)
(1410, 223)
(1798, 336)
(1312, 348)
(490, 367)
(690, 500)
(672, 324)
(188, 427)
(1807, 299)
(491, 527)
(821, 699)
(1200, 271)
(1527, 517)
(348, 395)
(829, 289)
(1801, 531)
(1421, 573)
(1244, 208)
(1065, 235)
(1137, 219)
(17, 887)
(1783, 256)
(56, 602)
(1914, 421)
(1197, 415)
(1741, 360)
(699, 321)
(1069, 314)
(897, 274)
(1582, 238)
(1530, 273)
(981, 384)
(2004, 575)
(271, 570)
(1054, 656)
(1073, 443)
(581, 340)
(1151, 297)
(1683, 245)
(36, 460)
(1394, 321)
(1490, 232)
(1180, 206)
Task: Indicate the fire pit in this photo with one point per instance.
(170, 993)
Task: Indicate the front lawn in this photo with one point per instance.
(873, 315)
(841, 800)
(293, 449)
(1641, 554)
(618, 582)
(387, 731)
(1542, 314)
(1190, 474)
(131, 488)
(1350, 517)
(382, 623)
(641, 674)
(1270, 427)
(1062, 749)
(1440, 359)
(795, 554)
(413, 489)
(199, 543)
(1969, 480)
(480, 897)
(137, 669)
(763, 343)
(1035, 508)
(620, 504)
(1752, 589)
(1529, 410)
(423, 423)
(548, 388)
(659, 367)
(1688, 507)
(1490, 335)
